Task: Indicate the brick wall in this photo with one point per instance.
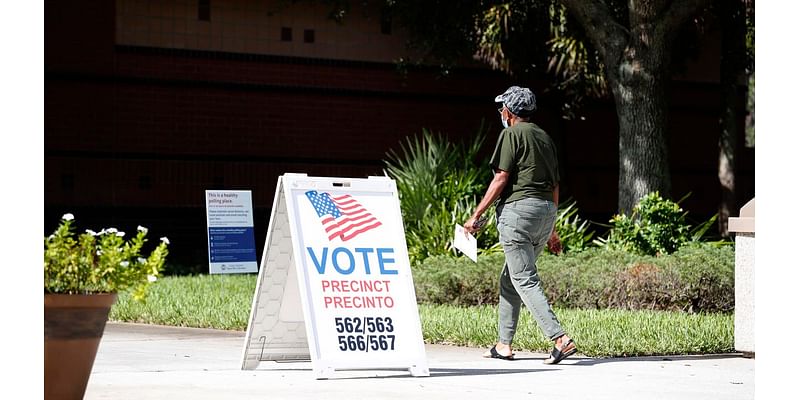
(134, 135)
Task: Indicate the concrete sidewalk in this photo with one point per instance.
(156, 362)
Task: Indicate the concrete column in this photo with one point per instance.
(745, 306)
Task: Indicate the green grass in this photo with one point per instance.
(598, 333)
(223, 302)
(202, 301)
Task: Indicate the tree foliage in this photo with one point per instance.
(526, 39)
(627, 49)
(592, 47)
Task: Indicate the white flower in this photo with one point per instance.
(141, 229)
(91, 232)
(67, 217)
(124, 263)
(141, 260)
(99, 252)
(110, 230)
(120, 234)
(164, 239)
(151, 278)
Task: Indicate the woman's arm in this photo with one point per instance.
(493, 192)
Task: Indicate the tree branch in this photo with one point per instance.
(607, 35)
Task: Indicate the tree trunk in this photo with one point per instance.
(727, 153)
(731, 67)
(635, 53)
(638, 84)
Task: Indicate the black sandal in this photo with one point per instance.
(495, 354)
(557, 355)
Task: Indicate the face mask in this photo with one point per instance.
(504, 121)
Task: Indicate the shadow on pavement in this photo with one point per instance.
(435, 372)
(586, 361)
(444, 372)
(452, 372)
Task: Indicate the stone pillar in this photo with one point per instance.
(745, 307)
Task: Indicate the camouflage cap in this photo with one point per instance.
(520, 101)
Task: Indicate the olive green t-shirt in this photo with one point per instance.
(528, 154)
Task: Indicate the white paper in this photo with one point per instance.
(465, 242)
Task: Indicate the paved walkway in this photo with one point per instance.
(155, 362)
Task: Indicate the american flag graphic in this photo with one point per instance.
(341, 216)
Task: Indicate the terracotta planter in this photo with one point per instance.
(73, 327)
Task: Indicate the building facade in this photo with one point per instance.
(149, 103)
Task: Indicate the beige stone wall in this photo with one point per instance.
(745, 313)
(254, 27)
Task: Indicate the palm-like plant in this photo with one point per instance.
(572, 230)
(439, 183)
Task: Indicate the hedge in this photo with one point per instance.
(696, 278)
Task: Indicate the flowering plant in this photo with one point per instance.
(101, 262)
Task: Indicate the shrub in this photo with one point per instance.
(449, 280)
(656, 226)
(583, 280)
(643, 285)
(709, 284)
(99, 262)
(698, 277)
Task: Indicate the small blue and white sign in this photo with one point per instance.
(231, 241)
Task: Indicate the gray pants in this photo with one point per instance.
(524, 226)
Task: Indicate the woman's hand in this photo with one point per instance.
(469, 226)
(554, 243)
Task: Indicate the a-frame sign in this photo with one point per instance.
(335, 283)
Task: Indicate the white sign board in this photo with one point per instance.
(231, 242)
(344, 259)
